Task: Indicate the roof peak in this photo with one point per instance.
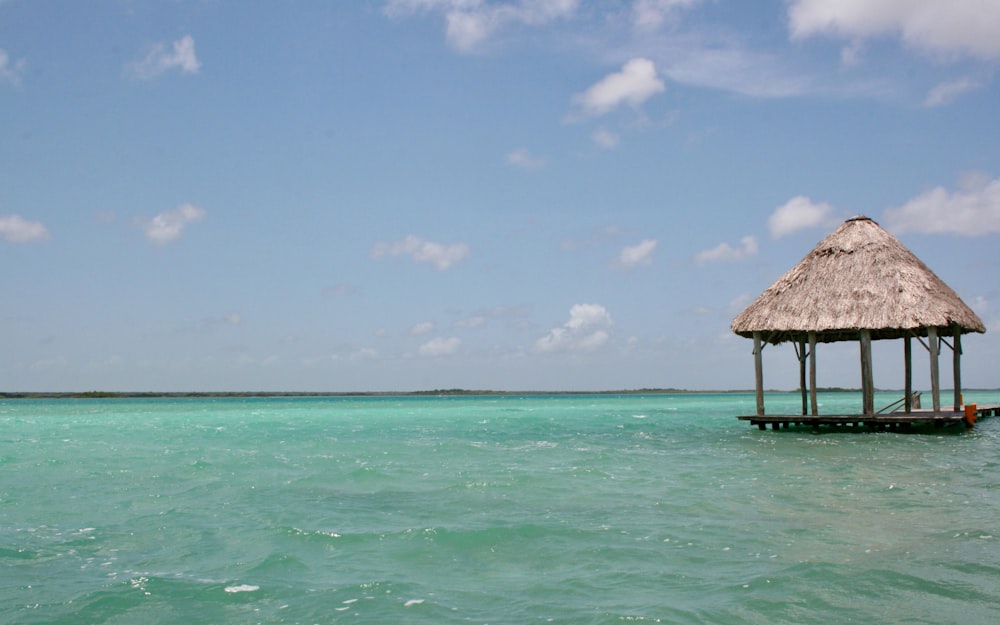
(862, 218)
(859, 276)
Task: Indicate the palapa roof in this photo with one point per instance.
(859, 277)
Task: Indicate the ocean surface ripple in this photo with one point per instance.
(582, 509)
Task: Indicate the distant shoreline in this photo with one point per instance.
(429, 393)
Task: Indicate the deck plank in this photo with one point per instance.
(895, 419)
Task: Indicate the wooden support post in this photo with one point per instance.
(813, 404)
(802, 377)
(758, 364)
(867, 381)
(934, 346)
(957, 365)
(908, 375)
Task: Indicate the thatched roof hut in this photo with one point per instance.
(859, 284)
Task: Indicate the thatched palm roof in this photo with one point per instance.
(859, 277)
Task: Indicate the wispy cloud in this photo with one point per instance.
(440, 346)
(640, 254)
(634, 84)
(725, 252)
(797, 214)
(230, 320)
(351, 353)
(690, 54)
(421, 328)
(699, 48)
(511, 316)
(730, 65)
(652, 14)
(442, 256)
(11, 71)
(972, 211)
(587, 329)
(524, 159)
(169, 225)
(475, 321)
(17, 229)
(606, 138)
(469, 24)
(160, 59)
(948, 92)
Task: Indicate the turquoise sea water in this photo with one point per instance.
(537, 509)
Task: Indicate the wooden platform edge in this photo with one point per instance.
(878, 421)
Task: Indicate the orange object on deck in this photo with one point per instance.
(970, 414)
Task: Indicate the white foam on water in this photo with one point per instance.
(412, 602)
(242, 588)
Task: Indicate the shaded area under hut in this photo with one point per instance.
(859, 284)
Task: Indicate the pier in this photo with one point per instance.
(879, 422)
(861, 284)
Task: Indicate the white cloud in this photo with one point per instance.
(11, 71)
(440, 347)
(525, 159)
(364, 353)
(973, 211)
(942, 28)
(476, 321)
(605, 138)
(726, 252)
(466, 29)
(852, 54)
(169, 225)
(160, 59)
(692, 56)
(213, 323)
(354, 355)
(17, 229)
(948, 92)
(797, 214)
(470, 23)
(651, 14)
(421, 328)
(512, 317)
(634, 84)
(639, 254)
(694, 59)
(587, 329)
(441, 256)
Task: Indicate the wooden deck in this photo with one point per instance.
(889, 421)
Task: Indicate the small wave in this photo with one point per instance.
(242, 588)
(295, 531)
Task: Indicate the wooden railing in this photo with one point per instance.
(901, 402)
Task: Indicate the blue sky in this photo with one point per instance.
(420, 194)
